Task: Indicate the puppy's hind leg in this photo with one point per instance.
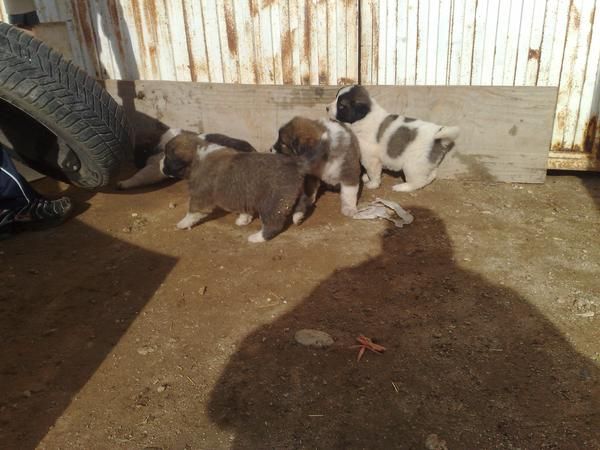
(415, 179)
(273, 222)
(306, 200)
(197, 211)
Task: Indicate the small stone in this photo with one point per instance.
(161, 388)
(134, 214)
(433, 442)
(146, 349)
(27, 394)
(172, 205)
(313, 338)
(549, 219)
(202, 290)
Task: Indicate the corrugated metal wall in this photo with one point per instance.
(407, 42)
(250, 41)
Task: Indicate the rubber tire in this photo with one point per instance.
(65, 100)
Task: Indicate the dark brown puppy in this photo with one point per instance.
(151, 173)
(248, 183)
(339, 165)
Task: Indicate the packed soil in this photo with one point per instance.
(120, 332)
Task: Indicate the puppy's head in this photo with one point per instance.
(352, 103)
(299, 137)
(179, 155)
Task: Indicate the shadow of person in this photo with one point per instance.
(468, 360)
(68, 296)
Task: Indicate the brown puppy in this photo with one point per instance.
(151, 173)
(340, 164)
(248, 183)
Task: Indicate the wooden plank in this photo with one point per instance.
(506, 131)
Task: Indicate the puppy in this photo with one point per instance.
(392, 141)
(339, 165)
(248, 183)
(151, 173)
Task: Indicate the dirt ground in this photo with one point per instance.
(119, 331)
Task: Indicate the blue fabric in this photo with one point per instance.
(15, 191)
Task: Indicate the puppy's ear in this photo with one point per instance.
(361, 109)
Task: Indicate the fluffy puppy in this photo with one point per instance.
(248, 183)
(392, 141)
(339, 164)
(151, 173)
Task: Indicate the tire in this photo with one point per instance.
(72, 128)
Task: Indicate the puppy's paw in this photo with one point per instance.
(365, 177)
(243, 220)
(402, 187)
(256, 237)
(297, 218)
(349, 211)
(184, 224)
(373, 184)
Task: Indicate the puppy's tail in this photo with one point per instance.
(226, 141)
(447, 135)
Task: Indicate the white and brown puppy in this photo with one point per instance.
(392, 141)
(151, 173)
(248, 183)
(339, 165)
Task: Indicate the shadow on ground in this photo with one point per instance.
(63, 308)
(467, 360)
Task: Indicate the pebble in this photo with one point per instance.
(433, 442)
(313, 338)
(549, 219)
(161, 388)
(145, 350)
(27, 394)
(172, 205)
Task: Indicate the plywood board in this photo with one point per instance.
(506, 131)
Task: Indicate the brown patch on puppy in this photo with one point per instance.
(385, 124)
(439, 150)
(400, 140)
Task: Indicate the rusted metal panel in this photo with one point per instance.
(249, 41)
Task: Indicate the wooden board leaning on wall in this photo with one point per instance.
(505, 131)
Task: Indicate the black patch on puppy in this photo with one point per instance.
(439, 150)
(400, 140)
(353, 105)
(385, 124)
(409, 119)
(226, 141)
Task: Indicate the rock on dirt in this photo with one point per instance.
(146, 349)
(313, 338)
(433, 442)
